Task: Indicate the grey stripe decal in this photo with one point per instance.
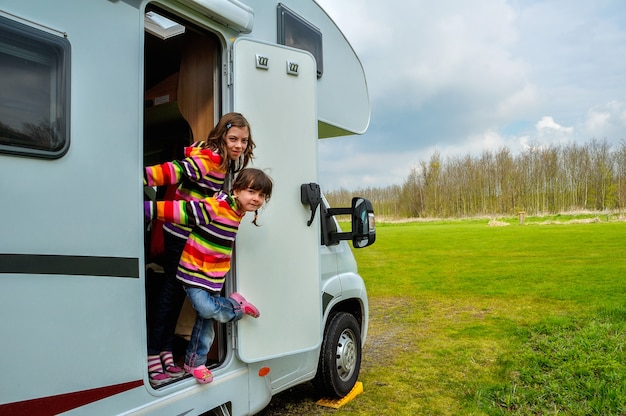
(69, 265)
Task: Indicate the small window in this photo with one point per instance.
(34, 91)
(296, 32)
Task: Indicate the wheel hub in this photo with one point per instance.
(346, 355)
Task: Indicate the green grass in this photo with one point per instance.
(575, 366)
(468, 319)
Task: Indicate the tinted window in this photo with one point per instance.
(34, 91)
(295, 31)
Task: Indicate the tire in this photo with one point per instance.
(340, 356)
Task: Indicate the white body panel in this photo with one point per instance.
(83, 204)
(343, 101)
(72, 249)
(281, 109)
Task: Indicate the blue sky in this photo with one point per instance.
(460, 77)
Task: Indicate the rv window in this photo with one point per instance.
(34, 91)
(296, 32)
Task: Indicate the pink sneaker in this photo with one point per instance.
(246, 307)
(156, 378)
(200, 373)
(155, 371)
(169, 366)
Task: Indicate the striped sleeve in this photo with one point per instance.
(197, 164)
(168, 173)
(148, 210)
(184, 212)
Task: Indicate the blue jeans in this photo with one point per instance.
(208, 307)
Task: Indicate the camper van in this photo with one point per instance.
(91, 92)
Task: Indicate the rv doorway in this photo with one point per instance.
(181, 96)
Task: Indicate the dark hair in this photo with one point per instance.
(254, 179)
(217, 140)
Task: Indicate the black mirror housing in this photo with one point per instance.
(363, 232)
(363, 223)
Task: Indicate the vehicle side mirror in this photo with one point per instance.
(363, 223)
(363, 231)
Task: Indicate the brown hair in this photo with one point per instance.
(254, 179)
(217, 140)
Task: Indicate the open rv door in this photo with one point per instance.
(278, 263)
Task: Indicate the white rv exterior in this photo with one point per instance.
(91, 91)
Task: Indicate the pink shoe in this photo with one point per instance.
(169, 366)
(156, 375)
(200, 373)
(246, 307)
(156, 378)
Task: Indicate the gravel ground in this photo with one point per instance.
(302, 400)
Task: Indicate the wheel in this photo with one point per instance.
(340, 356)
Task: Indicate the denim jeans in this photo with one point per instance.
(208, 307)
(162, 323)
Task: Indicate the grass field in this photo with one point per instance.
(472, 319)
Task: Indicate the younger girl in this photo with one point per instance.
(203, 172)
(206, 257)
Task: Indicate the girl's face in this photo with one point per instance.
(236, 142)
(248, 199)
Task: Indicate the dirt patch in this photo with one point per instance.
(382, 341)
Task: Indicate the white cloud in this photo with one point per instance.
(520, 101)
(462, 77)
(598, 120)
(606, 121)
(345, 165)
(547, 123)
(489, 140)
(413, 50)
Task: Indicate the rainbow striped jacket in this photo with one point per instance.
(199, 175)
(207, 253)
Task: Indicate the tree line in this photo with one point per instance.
(541, 179)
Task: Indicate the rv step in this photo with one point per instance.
(222, 410)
